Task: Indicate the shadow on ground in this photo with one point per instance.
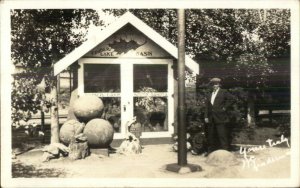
(20, 170)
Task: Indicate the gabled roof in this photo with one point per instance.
(107, 32)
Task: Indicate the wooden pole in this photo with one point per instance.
(182, 166)
(182, 150)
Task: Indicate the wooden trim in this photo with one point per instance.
(111, 29)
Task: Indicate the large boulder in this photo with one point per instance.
(68, 130)
(222, 158)
(88, 107)
(99, 133)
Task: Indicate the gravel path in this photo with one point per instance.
(269, 163)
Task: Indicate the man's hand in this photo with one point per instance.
(206, 120)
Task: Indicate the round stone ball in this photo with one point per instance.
(88, 107)
(67, 131)
(99, 133)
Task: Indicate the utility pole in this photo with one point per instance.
(182, 166)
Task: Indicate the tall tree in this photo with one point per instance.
(39, 39)
(239, 42)
(223, 35)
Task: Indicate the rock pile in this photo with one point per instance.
(85, 132)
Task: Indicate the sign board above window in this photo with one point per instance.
(128, 42)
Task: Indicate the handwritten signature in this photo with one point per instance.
(249, 161)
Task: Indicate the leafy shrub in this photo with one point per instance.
(26, 99)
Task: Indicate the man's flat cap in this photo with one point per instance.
(215, 80)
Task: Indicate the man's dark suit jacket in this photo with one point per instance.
(218, 112)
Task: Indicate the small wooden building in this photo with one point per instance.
(132, 69)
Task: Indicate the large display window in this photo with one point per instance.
(131, 87)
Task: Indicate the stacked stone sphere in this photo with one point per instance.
(67, 131)
(99, 132)
(87, 108)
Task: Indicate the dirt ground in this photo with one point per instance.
(273, 162)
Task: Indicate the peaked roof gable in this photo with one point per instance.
(111, 29)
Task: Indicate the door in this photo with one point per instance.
(131, 87)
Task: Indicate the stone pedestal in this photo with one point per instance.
(183, 169)
(101, 151)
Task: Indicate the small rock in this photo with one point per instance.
(131, 145)
(81, 137)
(61, 147)
(51, 149)
(78, 150)
(47, 157)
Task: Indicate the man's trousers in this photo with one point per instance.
(217, 137)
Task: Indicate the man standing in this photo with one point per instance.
(216, 116)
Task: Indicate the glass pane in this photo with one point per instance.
(101, 78)
(112, 111)
(152, 113)
(150, 78)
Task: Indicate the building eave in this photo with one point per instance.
(111, 29)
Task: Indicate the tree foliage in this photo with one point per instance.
(24, 99)
(234, 44)
(220, 34)
(40, 38)
(242, 38)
